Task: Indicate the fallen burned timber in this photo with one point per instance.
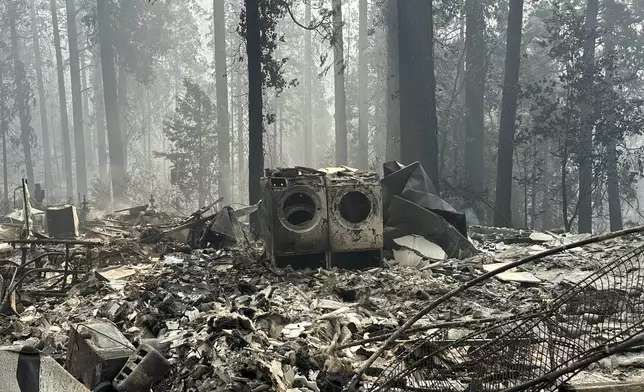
(201, 301)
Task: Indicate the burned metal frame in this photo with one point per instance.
(24, 269)
(435, 345)
(14, 195)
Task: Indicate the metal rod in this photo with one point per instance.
(47, 293)
(59, 270)
(23, 265)
(24, 207)
(58, 280)
(550, 377)
(143, 206)
(449, 324)
(14, 195)
(66, 265)
(54, 242)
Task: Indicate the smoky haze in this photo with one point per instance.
(525, 114)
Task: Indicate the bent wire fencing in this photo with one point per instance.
(539, 350)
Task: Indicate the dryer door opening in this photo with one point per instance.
(355, 207)
(299, 210)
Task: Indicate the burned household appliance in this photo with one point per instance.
(294, 217)
(97, 351)
(62, 221)
(355, 218)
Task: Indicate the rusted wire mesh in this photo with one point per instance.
(540, 350)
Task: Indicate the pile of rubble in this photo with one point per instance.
(223, 314)
(235, 323)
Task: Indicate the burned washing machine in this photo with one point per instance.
(355, 218)
(294, 218)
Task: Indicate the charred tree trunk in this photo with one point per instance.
(525, 189)
(612, 178)
(255, 114)
(341, 149)
(54, 142)
(418, 123)
(363, 106)
(241, 167)
(612, 184)
(203, 156)
(274, 139)
(533, 185)
(44, 124)
(564, 188)
(77, 103)
(308, 115)
(114, 136)
(148, 122)
(503, 202)
(21, 98)
(546, 205)
(99, 108)
(223, 122)
(586, 117)
(62, 100)
(124, 9)
(234, 179)
(393, 78)
(3, 130)
(475, 103)
(452, 122)
(122, 101)
(281, 141)
(89, 145)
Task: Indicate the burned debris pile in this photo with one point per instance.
(230, 327)
(536, 350)
(142, 299)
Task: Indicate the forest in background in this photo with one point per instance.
(524, 114)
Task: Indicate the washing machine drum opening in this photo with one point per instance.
(299, 209)
(355, 207)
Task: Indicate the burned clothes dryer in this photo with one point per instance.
(355, 218)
